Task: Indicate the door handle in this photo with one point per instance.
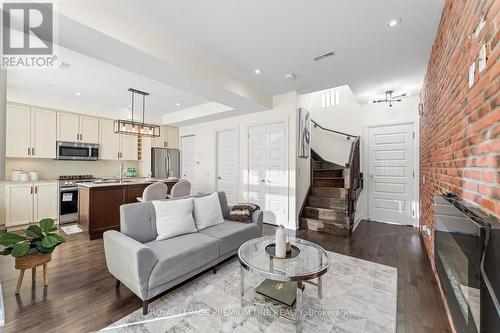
(219, 177)
(263, 181)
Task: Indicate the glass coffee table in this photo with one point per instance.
(285, 278)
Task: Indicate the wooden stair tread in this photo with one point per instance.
(337, 223)
(328, 177)
(335, 210)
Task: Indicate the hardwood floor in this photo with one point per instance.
(81, 296)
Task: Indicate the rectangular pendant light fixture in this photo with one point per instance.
(131, 127)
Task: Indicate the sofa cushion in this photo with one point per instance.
(174, 217)
(180, 255)
(138, 221)
(207, 211)
(232, 234)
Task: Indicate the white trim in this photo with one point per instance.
(286, 125)
(237, 129)
(416, 163)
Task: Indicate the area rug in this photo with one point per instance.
(72, 229)
(358, 296)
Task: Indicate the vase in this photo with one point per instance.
(280, 242)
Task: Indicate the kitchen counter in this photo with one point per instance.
(126, 182)
(99, 203)
(7, 182)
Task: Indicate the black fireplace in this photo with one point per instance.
(467, 259)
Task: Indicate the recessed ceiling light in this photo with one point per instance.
(78, 93)
(290, 76)
(394, 22)
(257, 71)
(177, 104)
(64, 65)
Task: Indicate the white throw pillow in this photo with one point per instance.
(207, 211)
(174, 217)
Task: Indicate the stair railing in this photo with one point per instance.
(353, 177)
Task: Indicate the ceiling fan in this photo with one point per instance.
(389, 98)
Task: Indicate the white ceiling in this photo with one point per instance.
(195, 52)
(99, 84)
(283, 36)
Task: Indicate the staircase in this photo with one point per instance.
(331, 202)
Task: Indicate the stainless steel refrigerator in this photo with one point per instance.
(165, 163)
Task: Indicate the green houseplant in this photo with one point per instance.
(37, 239)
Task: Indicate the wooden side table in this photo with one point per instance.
(32, 261)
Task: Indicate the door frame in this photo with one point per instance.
(181, 150)
(416, 164)
(285, 123)
(225, 129)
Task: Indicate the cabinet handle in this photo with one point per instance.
(36, 189)
(33, 151)
(81, 137)
(31, 189)
(29, 151)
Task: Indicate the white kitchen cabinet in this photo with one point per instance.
(169, 138)
(173, 137)
(30, 132)
(68, 127)
(45, 201)
(18, 131)
(89, 129)
(128, 147)
(30, 202)
(114, 146)
(109, 141)
(18, 204)
(43, 133)
(77, 128)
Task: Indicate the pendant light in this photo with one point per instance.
(131, 127)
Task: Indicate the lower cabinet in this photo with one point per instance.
(27, 203)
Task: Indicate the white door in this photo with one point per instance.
(391, 173)
(268, 177)
(89, 129)
(109, 141)
(187, 158)
(18, 131)
(68, 127)
(18, 204)
(128, 147)
(227, 164)
(45, 201)
(43, 133)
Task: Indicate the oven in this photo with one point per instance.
(77, 151)
(68, 203)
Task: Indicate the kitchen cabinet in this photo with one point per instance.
(77, 128)
(116, 146)
(30, 132)
(169, 138)
(26, 203)
(45, 201)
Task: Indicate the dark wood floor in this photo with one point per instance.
(81, 296)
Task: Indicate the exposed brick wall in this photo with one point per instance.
(459, 127)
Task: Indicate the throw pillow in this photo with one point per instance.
(207, 211)
(174, 217)
(242, 212)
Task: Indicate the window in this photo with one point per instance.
(330, 98)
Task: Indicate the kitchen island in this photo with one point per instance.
(99, 202)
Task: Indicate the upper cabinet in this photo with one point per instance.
(30, 132)
(115, 146)
(73, 127)
(169, 138)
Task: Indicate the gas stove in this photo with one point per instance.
(73, 180)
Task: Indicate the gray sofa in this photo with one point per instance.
(149, 267)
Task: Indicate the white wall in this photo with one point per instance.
(351, 118)
(284, 109)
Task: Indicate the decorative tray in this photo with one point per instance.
(271, 250)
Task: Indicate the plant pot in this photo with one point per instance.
(32, 260)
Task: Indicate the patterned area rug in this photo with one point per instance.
(358, 296)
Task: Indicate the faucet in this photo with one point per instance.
(121, 172)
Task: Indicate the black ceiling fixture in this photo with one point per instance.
(131, 127)
(389, 98)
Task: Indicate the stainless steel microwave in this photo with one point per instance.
(77, 151)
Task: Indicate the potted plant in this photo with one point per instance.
(32, 249)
